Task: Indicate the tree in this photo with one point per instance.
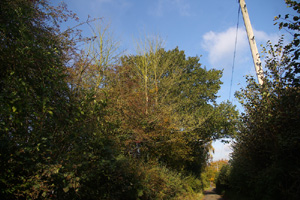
(90, 71)
(67, 117)
(53, 141)
(264, 159)
(166, 106)
(222, 182)
(33, 96)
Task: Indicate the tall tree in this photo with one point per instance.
(181, 115)
(264, 158)
(33, 93)
(53, 139)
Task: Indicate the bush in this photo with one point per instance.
(159, 182)
(222, 182)
(264, 160)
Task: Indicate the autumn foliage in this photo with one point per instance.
(96, 124)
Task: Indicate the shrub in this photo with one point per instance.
(222, 183)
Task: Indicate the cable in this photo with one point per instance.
(234, 54)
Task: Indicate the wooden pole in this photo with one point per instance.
(251, 39)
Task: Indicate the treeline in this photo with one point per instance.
(266, 161)
(95, 124)
(212, 170)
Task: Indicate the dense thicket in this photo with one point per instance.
(51, 140)
(81, 125)
(265, 162)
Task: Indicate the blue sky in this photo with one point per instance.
(205, 28)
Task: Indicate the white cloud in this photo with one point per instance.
(162, 6)
(220, 46)
(264, 37)
(222, 151)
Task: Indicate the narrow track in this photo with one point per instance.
(211, 195)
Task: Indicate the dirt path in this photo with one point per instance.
(211, 195)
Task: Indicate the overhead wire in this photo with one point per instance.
(234, 53)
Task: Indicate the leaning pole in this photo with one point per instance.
(252, 43)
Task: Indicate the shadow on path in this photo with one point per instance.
(211, 195)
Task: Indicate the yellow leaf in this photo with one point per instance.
(66, 189)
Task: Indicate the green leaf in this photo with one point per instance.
(66, 189)
(44, 194)
(140, 193)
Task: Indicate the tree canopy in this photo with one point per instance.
(92, 124)
(264, 160)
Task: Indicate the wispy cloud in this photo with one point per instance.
(115, 6)
(182, 7)
(220, 45)
(104, 1)
(116, 3)
(157, 10)
(222, 151)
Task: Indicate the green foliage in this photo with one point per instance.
(291, 22)
(34, 99)
(71, 124)
(222, 182)
(265, 161)
(54, 141)
(210, 173)
(159, 182)
(166, 105)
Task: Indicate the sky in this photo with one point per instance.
(205, 28)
